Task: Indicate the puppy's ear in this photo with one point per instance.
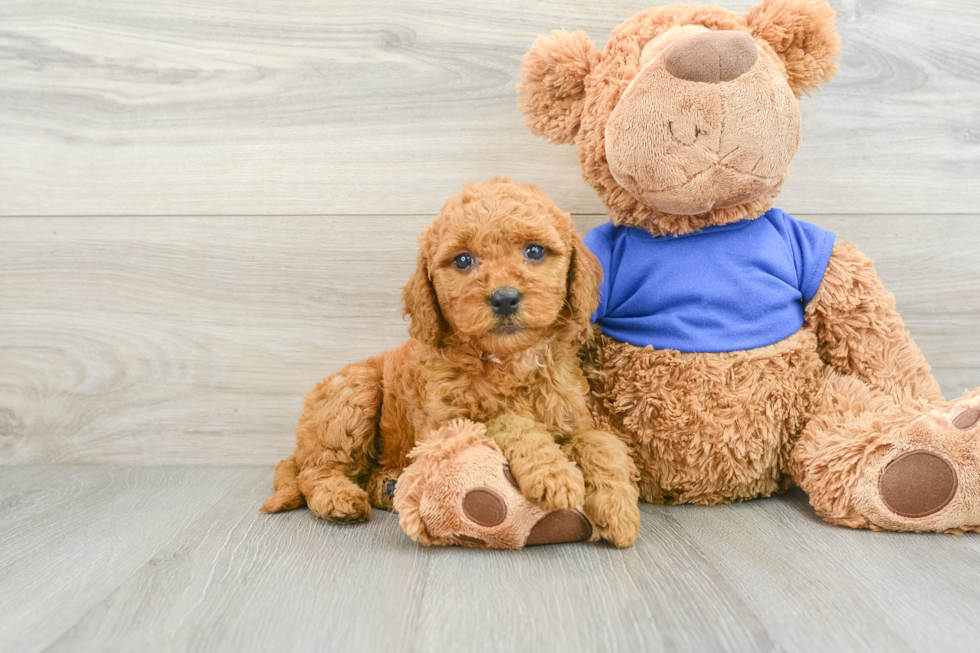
(582, 294)
(553, 91)
(421, 305)
(802, 33)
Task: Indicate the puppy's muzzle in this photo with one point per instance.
(505, 301)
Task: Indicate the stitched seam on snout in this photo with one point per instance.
(698, 174)
(742, 172)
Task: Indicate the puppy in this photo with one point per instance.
(500, 303)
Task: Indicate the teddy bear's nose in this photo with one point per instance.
(711, 57)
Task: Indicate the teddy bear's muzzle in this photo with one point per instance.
(708, 122)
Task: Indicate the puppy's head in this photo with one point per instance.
(502, 268)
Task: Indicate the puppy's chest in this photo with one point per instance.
(531, 384)
(521, 370)
(506, 388)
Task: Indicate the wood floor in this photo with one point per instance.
(207, 206)
(178, 558)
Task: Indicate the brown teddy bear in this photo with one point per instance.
(742, 350)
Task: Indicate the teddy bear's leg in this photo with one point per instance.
(869, 461)
(459, 490)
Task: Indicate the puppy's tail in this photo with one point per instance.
(287, 495)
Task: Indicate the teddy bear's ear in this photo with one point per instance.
(553, 88)
(802, 33)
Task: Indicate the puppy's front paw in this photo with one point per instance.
(554, 484)
(615, 514)
(346, 504)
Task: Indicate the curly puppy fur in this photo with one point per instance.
(518, 374)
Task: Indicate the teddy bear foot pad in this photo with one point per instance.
(485, 507)
(559, 527)
(928, 481)
(917, 484)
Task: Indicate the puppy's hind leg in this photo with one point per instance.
(336, 441)
(287, 495)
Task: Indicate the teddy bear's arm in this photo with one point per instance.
(860, 332)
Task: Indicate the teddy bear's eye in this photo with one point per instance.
(534, 252)
(464, 261)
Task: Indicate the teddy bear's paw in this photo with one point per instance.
(560, 527)
(554, 484)
(461, 492)
(917, 483)
(615, 515)
(965, 416)
(930, 479)
(340, 503)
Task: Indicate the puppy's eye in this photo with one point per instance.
(464, 261)
(534, 252)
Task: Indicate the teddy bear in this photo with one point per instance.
(741, 351)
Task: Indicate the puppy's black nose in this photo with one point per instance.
(505, 301)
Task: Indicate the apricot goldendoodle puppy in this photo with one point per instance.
(499, 306)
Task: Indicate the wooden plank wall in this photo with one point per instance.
(208, 205)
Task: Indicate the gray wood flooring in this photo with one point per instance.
(116, 558)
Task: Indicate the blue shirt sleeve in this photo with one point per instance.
(812, 247)
(597, 240)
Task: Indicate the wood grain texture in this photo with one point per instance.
(179, 340)
(15, 479)
(760, 576)
(69, 539)
(850, 589)
(386, 107)
(238, 580)
(662, 595)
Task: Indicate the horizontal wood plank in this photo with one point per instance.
(71, 538)
(378, 107)
(177, 340)
(241, 580)
(179, 558)
(223, 585)
(651, 597)
(818, 587)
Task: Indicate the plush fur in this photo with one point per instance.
(459, 459)
(835, 407)
(519, 375)
(554, 84)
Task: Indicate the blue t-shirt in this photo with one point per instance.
(725, 288)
